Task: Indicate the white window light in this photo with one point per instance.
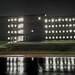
(63, 31)
(15, 19)
(66, 19)
(11, 31)
(59, 31)
(67, 37)
(59, 25)
(8, 20)
(56, 25)
(66, 25)
(52, 26)
(49, 20)
(59, 37)
(56, 20)
(46, 37)
(66, 31)
(15, 25)
(59, 19)
(8, 32)
(8, 26)
(70, 37)
(63, 25)
(74, 37)
(15, 38)
(52, 31)
(11, 25)
(45, 20)
(73, 19)
(20, 31)
(69, 19)
(20, 19)
(46, 26)
(56, 31)
(49, 31)
(8, 38)
(70, 25)
(74, 31)
(11, 37)
(39, 18)
(62, 19)
(46, 31)
(52, 20)
(15, 32)
(20, 25)
(32, 31)
(53, 37)
(70, 31)
(74, 25)
(63, 37)
(49, 37)
(45, 14)
(49, 26)
(56, 37)
(12, 19)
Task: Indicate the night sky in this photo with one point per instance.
(27, 7)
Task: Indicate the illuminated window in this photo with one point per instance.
(46, 31)
(8, 20)
(63, 31)
(56, 37)
(74, 31)
(49, 20)
(39, 18)
(15, 19)
(74, 25)
(11, 31)
(8, 26)
(62, 19)
(66, 19)
(66, 25)
(59, 37)
(45, 14)
(11, 25)
(8, 32)
(52, 31)
(46, 26)
(15, 25)
(70, 31)
(20, 31)
(56, 25)
(53, 37)
(59, 31)
(12, 19)
(63, 37)
(67, 37)
(20, 19)
(15, 38)
(70, 37)
(8, 38)
(52, 20)
(63, 25)
(70, 19)
(46, 20)
(32, 31)
(59, 19)
(73, 19)
(11, 37)
(74, 37)
(49, 37)
(20, 25)
(56, 20)
(66, 31)
(46, 37)
(56, 31)
(70, 25)
(59, 25)
(49, 31)
(52, 26)
(49, 26)
(15, 32)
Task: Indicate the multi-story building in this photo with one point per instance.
(37, 28)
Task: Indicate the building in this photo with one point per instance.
(37, 28)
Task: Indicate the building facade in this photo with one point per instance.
(37, 28)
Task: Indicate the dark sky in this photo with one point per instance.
(26, 7)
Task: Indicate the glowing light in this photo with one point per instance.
(74, 31)
(15, 25)
(59, 19)
(66, 31)
(21, 31)
(74, 25)
(46, 31)
(15, 19)
(52, 26)
(15, 38)
(49, 26)
(62, 19)
(59, 31)
(20, 19)
(74, 37)
(63, 37)
(39, 18)
(53, 37)
(12, 19)
(11, 31)
(52, 31)
(46, 37)
(49, 37)
(46, 20)
(70, 25)
(67, 37)
(63, 25)
(56, 37)
(56, 31)
(59, 37)
(46, 26)
(8, 38)
(8, 20)
(49, 31)
(70, 37)
(70, 19)
(45, 14)
(59, 25)
(20, 25)
(66, 19)
(63, 31)
(8, 31)
(66, 25)
(11, 25)
(70, 31)
(73, 19)
(8, 26)
(49, 20)
(55, 20)
(56, 25)
(52, 20)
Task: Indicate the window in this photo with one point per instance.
(52, 20)
(11, 31)
(15, 25)
(8, 32)
(8, 26)
(20, 19)
(11, 25)
(55, 20)
(46, 37)
(32, 31)
(15, 32)
(46, 20)
(46, 26)
(66, 19)
(52, 31)
(8, 20)
(59, 19)
(39, 18)
(20, 25)
(8, 38)
(20, 31)
(69, 19)
(46, 31)
(15, 19)
(52, 26)
(12, 19)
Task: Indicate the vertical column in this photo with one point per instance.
(68, 63)
(54, 63)
(61, 64)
